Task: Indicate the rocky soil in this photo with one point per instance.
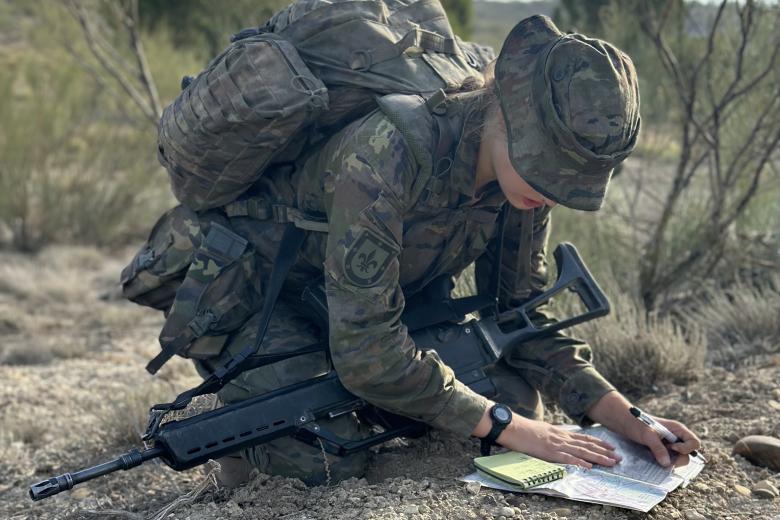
(73, 393)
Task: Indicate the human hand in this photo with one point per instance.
(554, 444)
(643, 434)
(613, 411)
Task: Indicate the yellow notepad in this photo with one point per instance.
(519, 469)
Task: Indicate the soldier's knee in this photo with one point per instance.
(294, 459)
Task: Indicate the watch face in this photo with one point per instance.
(502, 414)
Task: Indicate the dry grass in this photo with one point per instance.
(24, 430)
(741, 322)
(52, 305)
(125, 421)
(40, 351)
(637, 352)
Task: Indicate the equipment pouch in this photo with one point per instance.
(157, 270)
(220, 291)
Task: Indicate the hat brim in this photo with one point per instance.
(533, 151)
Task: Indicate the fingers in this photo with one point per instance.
(690, 441)
(584, 450)
(593, 440)
(599, 450)
(657, 447)
(568, 458)
(589, 455)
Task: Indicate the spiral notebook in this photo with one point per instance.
(519, 469)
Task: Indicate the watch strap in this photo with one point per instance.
(489, 440)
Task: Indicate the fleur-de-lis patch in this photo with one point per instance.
(367, 259)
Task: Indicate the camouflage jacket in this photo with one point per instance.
(386, 238)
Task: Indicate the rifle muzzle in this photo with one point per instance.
(54, 485)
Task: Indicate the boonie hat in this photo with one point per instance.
(571, 107)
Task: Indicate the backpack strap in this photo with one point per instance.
(363, 60)
(430, 134)
(259, 209)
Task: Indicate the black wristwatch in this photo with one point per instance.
(501, 415)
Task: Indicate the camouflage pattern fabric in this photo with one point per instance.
(157, 270)
(289, 330)
(226, 125)
(571, 106)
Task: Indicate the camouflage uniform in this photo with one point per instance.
(392, 230)
(362, 179)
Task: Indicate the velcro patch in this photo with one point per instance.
(367, 258)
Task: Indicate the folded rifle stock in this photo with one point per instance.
(296, 410)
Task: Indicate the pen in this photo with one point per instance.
(658, 428)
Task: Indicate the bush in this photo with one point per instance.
(79, 162)
(69, 173)
(637, 352)
(741, 322)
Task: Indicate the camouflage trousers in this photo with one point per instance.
(290, 330)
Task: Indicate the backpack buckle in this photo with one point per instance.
(437, 103)
(202, 322)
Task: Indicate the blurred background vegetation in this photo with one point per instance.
(691, 218)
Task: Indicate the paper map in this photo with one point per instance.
(637, 482)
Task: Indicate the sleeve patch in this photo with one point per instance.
(366, 259)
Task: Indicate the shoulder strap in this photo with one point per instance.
(428, 130)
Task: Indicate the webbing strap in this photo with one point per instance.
(280, 213)
(196, 328)
(495, 276)
(291, 243)
(417, 37)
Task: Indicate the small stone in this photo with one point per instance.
(561, 512)
(473, 487)
(508, 512)
(774, 404)
(674, 514)
(763, 493)
(761, 450)
(410, 509)
(765, 489)
(700, 487)
(692, 514)
(742, 490)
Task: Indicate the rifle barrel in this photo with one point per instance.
(54, 485)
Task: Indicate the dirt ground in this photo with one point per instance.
(73, 393)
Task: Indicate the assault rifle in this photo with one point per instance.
(467, 347)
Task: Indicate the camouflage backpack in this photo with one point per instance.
(258, 105)
(311, 69)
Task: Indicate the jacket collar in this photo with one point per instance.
(469, 109)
